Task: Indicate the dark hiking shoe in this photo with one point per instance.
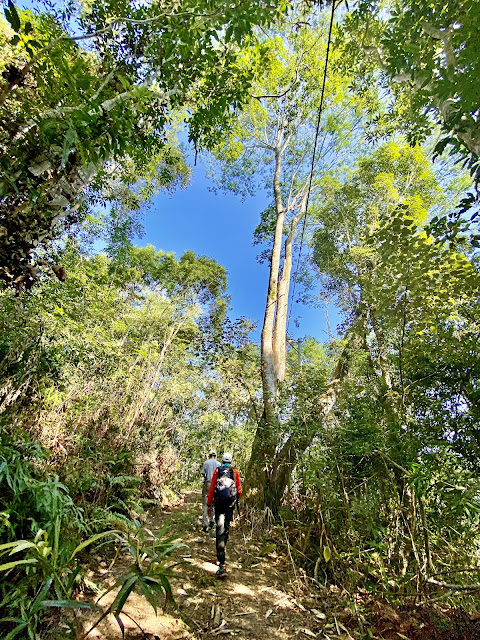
(222, 572)
(212, 524)
(205, 529)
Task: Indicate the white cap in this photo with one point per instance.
(227, 457)
(212, 452)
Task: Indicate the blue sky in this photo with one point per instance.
(220, 226)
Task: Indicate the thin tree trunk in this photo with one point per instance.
(382, 351)
(152, 379)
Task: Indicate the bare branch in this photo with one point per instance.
(278, 95)
(454, 587)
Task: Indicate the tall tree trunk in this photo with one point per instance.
(265, 442)
(280, 330)
(261, 482)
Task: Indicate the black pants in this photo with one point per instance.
(223, 517)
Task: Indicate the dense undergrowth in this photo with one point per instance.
(46, 537)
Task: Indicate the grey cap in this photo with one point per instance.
(227, 457)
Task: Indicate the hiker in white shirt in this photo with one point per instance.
(209, 467)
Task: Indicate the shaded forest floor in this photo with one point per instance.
(263, 597)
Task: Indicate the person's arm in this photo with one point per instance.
(238, 484)
(204, 471)
(211, 491)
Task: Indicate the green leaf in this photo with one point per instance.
(123, 594)
(14, 633)
(23, 544)
(68, 144)
(71, 579)
(149, 595)
(268, 548)
(37, 603)
(11, 565)
(68, 604)
(114, 532)
(12, 16)
(166, 585)
(327, 554)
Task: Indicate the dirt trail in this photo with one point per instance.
(255, 601)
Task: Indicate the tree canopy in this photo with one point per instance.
(76, 106)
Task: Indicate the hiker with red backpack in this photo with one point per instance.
(225, 491)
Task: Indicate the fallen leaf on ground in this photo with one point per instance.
(319, 614)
